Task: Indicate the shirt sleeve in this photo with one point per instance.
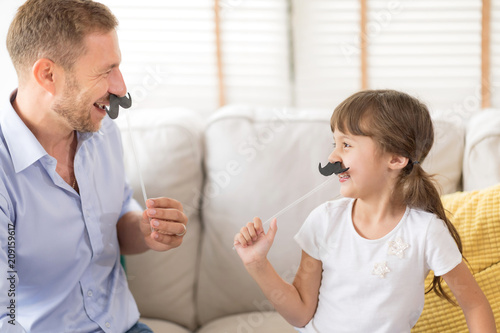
(8, 279)
(129, 203)
(441, 254)
(311, 236)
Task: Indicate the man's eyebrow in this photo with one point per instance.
(110, 67)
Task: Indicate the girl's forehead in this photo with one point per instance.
(339, 134)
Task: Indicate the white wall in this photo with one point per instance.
(168, 52)
(8, 81)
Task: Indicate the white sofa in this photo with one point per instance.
(245, 162)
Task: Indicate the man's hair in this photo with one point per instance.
(55, 29)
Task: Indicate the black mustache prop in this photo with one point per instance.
(115, 102)
(331, 168)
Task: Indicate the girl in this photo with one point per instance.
(365, 257)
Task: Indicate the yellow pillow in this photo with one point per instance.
(476, 215)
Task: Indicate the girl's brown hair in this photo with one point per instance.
(399, 124)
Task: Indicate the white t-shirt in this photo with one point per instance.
(373, 285)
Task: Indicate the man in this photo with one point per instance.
(66, 211)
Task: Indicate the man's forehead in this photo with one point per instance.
(102, 50)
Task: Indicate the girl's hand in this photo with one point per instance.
(252, 244)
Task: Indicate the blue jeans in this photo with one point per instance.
(139, 328)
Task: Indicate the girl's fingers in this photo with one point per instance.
(273, 228)
(240, 240)
(251, 231)
(245, 233)
(258, 225)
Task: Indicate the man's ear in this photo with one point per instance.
(44, 72)
(398, 162)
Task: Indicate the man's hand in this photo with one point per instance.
(163, 224)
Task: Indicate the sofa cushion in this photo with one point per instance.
(169, 149)
(259, 162)
(476, 215)
(446, 156)
(262, 322)
(482, 151)
(162, 326)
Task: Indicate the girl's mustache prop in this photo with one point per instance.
(331, 168)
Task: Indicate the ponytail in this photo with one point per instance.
(419, 190)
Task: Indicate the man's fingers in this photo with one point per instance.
(167, 214)
(145, 217)
(164, 203)
(170, 240)
(168, 227)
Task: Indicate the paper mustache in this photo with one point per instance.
(331, 168)
(115, 102)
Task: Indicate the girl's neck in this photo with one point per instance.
(375, 219)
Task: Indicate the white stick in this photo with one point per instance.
(143, 188)
(305, 196)
(302, 198)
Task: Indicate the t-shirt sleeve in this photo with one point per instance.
(441, 251)
(311, 236)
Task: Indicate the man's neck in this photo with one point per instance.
(53, 134)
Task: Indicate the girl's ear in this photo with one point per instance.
(44, 73)
(398, 162)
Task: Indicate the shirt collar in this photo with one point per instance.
(23, 146)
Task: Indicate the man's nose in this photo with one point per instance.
(116, 83)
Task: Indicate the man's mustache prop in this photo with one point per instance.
(115, 102)
(331, 168)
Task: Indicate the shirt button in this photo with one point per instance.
(108, 325)
(89, 293)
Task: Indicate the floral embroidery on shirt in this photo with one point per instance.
(397, 248)
(381, 269)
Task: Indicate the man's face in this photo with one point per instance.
(87, 86)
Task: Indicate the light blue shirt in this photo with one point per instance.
(65, 266)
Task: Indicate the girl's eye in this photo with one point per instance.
(334, 145)
(346, 145)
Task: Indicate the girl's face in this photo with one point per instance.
(368, 174)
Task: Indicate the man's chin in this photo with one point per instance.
(89, 127)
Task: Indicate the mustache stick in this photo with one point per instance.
(327, 170)
(302, 198)
(114, 106)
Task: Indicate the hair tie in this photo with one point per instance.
(416, 162)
